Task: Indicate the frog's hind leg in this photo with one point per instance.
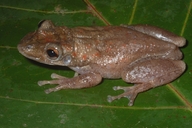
(146, 75)
(159, 33)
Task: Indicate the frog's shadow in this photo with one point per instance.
(53, 67)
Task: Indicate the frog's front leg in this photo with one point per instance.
(77, 82)
(146, 75)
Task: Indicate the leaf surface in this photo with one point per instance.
(24, 104)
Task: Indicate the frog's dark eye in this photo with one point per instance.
(52, 54)
(53, 51)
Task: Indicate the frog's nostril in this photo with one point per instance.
(29, 47)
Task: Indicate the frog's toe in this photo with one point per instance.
(49, 90)
(57, 88)
(57, 79)
(56, 76)
(41, 83)
(115, 88)
(122, 88)
(110, 98)
(44, 82)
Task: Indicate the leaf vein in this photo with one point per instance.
(133, 12)
(41, 11)
(186, 18)
(98, 105)
(92, 8)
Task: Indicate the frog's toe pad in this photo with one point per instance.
(110, 98)
(56, 76)
(41, 83)
(50, 90)
(115, 88)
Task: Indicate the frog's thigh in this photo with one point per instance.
(154, 72)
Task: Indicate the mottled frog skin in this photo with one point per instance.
(145, 55)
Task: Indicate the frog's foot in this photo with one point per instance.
(58, 80)
(77, 82)
(129, 93)
(53, 76)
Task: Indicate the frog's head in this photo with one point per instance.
(49, 44)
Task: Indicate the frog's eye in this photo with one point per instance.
(53, 52)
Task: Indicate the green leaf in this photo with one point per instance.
(24, 104)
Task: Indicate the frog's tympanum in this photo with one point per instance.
(145, 55)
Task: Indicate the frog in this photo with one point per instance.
(144, 55)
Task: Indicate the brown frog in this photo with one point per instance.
(145, 55)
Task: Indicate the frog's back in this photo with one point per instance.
(120, 43)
